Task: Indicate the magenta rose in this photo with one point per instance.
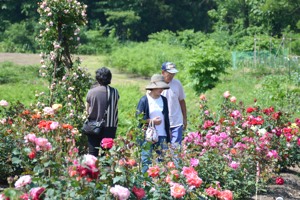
(138, 192)
(279, 181)
(35, 193)
(107, 143)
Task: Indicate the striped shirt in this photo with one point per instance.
(97, 98)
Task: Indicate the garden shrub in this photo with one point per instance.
(20, 37)
(95, 42)
(279, 91)
(186, 38)
(205, 65)
(146, 58)
(233, 152)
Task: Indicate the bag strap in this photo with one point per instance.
(151, 123)
(108, 102)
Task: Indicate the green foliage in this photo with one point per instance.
(129, 96)
(123, 22)
(145, 59)
(206, 64)
(186, 38)
(19, 37)
(94, 42)
(265, 86)
(279, 91)
(8, 142)
(20, 83)
(229, 139)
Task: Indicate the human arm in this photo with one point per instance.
(183, 110)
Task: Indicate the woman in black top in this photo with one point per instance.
(96, 104)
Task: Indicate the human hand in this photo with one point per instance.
(156, 120)
(184, 124)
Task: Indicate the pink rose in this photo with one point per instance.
(233, 99)
(194, 162)
(194, 181)
(202, 97)
(48, 111)
(24, 196)
(177, 190)
(234, 165)
(54, 125)
(41, 141)
(30, 137)
(4, 103)
(226, 94)
(211, 191)
(189, 171)
(225, 195)
(22, 181)
(120, 192)
(153, 171)
(107, 143)
(35, 193)
(89, 160)
(171, 165)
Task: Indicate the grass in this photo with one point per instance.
(19, 82)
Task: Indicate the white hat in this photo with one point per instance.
(157, 81)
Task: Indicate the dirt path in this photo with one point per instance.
(91, 62)
(290, 190)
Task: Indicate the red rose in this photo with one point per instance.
(279, 181)
(31, 155)
(107, 143)
(250, 110)
(138, 192)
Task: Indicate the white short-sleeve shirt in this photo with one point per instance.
(175, 94)
(156, 107)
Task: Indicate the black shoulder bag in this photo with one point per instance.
(95, 127)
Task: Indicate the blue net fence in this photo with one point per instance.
(289, 64)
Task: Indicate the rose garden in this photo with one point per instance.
(232, 154)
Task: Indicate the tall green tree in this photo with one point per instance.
(16, 11)
(280, 14)
(136, 19)
(271, 16)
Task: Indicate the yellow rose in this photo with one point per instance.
(56, 107)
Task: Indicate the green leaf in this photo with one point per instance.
(16, 160)
(117, 179)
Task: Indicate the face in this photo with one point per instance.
(167, 76)
(157, 91)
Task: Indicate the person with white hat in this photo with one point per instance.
(154, 107)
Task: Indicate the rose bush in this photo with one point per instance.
(233, 154)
